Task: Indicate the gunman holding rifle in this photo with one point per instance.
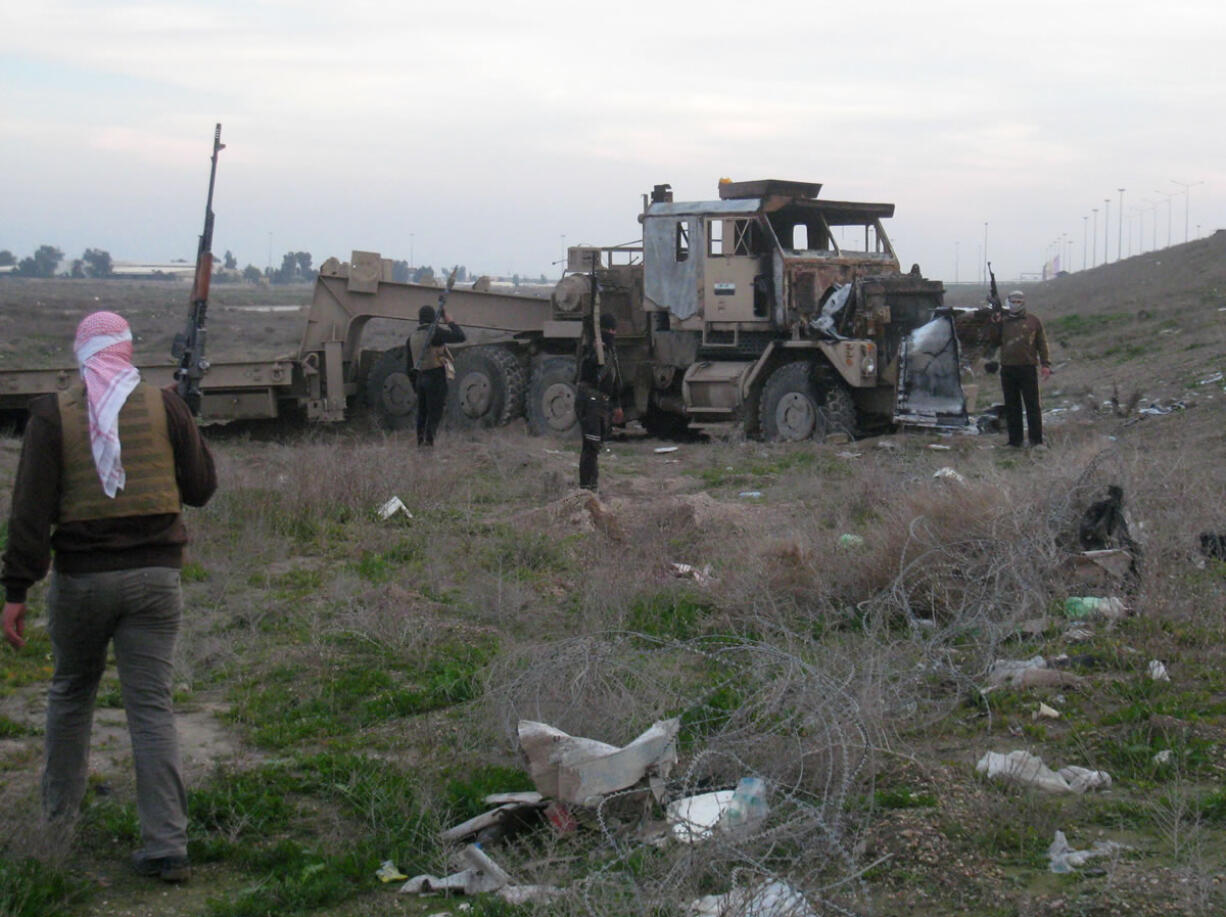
(1024, 360)
(599, 385)
(188, 347)
(431, 364)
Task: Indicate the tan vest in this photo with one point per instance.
(433, 358)
(148, 459)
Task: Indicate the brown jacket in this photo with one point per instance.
(95, 545)
(1021, 340)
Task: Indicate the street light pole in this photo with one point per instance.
(1119, 244)
(1106, 230)
(1094, 247)
(1187, 186)
(1085, 231)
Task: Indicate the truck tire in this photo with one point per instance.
(551, 399)
(488, 389)
(389, 393)
(794, 406)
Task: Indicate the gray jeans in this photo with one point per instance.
(140, 610)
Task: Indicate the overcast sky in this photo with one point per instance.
(482, 133)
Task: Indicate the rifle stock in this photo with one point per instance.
(189, 345)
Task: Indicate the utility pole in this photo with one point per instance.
(1119, 245)
(1084, 235)
(1187, 186)
(1094, 247)
(1106, 230)
(1168, 195)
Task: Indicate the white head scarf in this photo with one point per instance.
(103, 349)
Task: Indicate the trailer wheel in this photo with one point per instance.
(551, 398)
(488, 389)
(389, 392)
(794, 406)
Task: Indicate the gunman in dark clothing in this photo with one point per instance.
(106, 466)
(599, 385)
(430, 378)
(1023, 357)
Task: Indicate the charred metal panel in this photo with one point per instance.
(672, 277)
(929, 385)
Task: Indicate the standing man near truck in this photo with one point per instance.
(1024, 357)
(105, 468)
(599, 386)
(430, 378)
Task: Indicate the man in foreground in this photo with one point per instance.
(105, 468)
(1023, 358)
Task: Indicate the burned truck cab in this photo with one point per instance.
(776, 308)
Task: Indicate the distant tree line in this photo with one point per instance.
(296, 267)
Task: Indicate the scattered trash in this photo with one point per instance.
(1157, 671)
(748, 808)
(1045, 712)
(1103, 566)
(1023, 767)
(688, 571)
(693, 818)
(836, 439)
(1065, 859)
(387, 872)
(1087, 606)
(661, 450)
(949, 474)
(480, 874)
(848, 540)
(1078, 635)
(517, 810)
(849, 455)
(391, 507)
(558, 815)
(1160, 409)
(770, 899)
(750, 494)
(939, 447)
(1163, 757)
(1029, 673)
(888, 445)
(579, 771)
(1209, 380)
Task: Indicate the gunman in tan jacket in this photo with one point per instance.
(105, 468)
(1023, 358)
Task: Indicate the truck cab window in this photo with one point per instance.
(715, 238)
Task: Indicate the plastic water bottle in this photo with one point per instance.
(748, 808)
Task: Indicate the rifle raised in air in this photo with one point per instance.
(993, 293)
(438, 317)
(188, 347)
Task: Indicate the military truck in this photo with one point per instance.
(770, 309)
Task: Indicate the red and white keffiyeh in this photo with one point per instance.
(104, 356)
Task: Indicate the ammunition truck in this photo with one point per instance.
(770, 308)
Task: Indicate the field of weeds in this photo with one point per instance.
(348, 686)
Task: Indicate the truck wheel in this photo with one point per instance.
(488, 389)
(551, 398)
(390, 394)
(794, 407)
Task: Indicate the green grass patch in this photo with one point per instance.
(902, 798)
(31, 664)
(1074, 324)
(465, 797)
(193, 572)
(364, 686)
(754, 471)
(675, 613)
(11, 729)
(29, 888)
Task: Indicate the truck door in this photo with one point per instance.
(737, 275)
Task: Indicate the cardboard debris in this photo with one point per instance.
(480, 874)
(770, 899)
(689, 571)
(1045, 712)
(948, 474)
(1029, 673)
(1109, 565)
(579, 771)
(1023, 767)
(693, 818)
(1157, 671)
(1064, 858)
(391, 507)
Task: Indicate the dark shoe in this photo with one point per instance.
(168, 869)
